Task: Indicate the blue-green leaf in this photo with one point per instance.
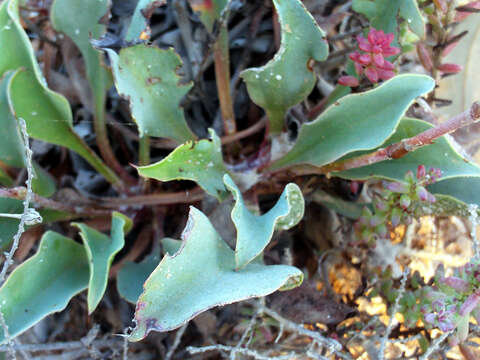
(289, 77)
(441, 154)
(383, 14)
(138, 23)
(47, 114)
(255, 232)
(132, 276)
(199, 161)
(147, 77)
(43, 284)
(80, 21)
(101, 249)
(202, 275)
(356, 122)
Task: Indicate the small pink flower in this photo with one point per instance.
(351, 81)
(372, 61)
(422, 193)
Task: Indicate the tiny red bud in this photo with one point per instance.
(449, 68)
(372, 74)
(424, 57)
(355, 187)
(350, 81)
(448, 49)
(422, 193)
(421, 172)
(405, 201)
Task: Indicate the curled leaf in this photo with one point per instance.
(356, 122)
(255, 232)
(202, 275)
(101, 249)
(199, 161)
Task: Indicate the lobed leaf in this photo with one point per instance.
(199, 161)
(43, 284)
(289, 77)
(202, 275)
(255, 232)
(171, 246)
(147, 77)
(101, 249)
(132, 276)
(356, 122)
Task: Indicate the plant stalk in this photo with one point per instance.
(144, 150)
(103, 142)
(222, 78)
(103, 206)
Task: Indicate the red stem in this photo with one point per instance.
(400, 149)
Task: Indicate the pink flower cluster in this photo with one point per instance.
(370, 60)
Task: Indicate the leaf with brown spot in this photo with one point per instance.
(154, 103)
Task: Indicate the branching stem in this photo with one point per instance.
(100, 206)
